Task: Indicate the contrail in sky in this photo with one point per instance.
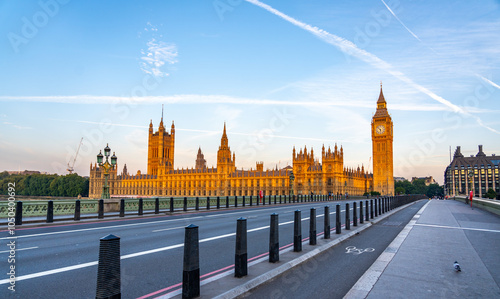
(394, 15)
(350, 48)
(489, 82)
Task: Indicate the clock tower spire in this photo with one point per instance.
(382, 139)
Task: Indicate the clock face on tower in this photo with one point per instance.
(380, 129)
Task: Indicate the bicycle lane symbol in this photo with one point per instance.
(358, 251)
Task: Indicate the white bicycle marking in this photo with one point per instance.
(358, 251)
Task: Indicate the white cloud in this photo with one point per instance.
(157, 55)
(193, 99)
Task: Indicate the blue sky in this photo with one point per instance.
(280, 73)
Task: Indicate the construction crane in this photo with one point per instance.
(71, 167)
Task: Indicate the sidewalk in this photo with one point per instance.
(419, 262)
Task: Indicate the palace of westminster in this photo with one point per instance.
(307, 174)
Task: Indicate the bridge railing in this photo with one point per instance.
(490, 205)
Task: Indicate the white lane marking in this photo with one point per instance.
(137, 224)
(20, 249)
(456, 227)
(54, 271)
(165, 229)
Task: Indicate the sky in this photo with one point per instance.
(279, 73)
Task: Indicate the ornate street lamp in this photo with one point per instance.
(106, 166)
(292, 178)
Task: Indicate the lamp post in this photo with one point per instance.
(292, 178)
(106, 166)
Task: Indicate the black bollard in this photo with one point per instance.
(338, 228)
(208, 203)
(243, 201)
(269, 200)
(376, 208)
(197, 203)
(185, 204)
(280, 199)
(100, 209)
(354, 214)
(312, 227)
(275, 199)
(251, 197)
(236, 201)
(227, 202)
(140, 210)
(347, 216)
(327, 222)
(157, 205)
(379, 207)
(77, 210)
(371, 208)
(361, 212)
(171, 204)
(108, 269)
(367, 216)
(297, 232)
(241, 256)
(19, 213)
(258, 199)
(218, 202)
(122, 207)
(191, 269)
(274, 240)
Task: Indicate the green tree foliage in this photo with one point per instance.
(418, 187)
(434, 190)
(70, 185)
(491, 194)
(400, 190)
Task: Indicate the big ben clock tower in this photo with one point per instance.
(382, 136)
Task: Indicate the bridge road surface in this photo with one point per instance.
(332, 273)
(60, 261)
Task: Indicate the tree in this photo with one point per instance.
(491, 194)
(400, 190)
(434, 190)
(70, 185)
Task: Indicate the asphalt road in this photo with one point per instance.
(61, 261)
(333, 273)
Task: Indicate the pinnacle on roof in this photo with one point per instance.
(381, 98)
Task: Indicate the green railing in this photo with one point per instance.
(61, 207)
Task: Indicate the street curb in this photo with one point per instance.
(266, 277)
(365, 283)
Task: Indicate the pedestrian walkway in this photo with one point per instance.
(419, 262)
